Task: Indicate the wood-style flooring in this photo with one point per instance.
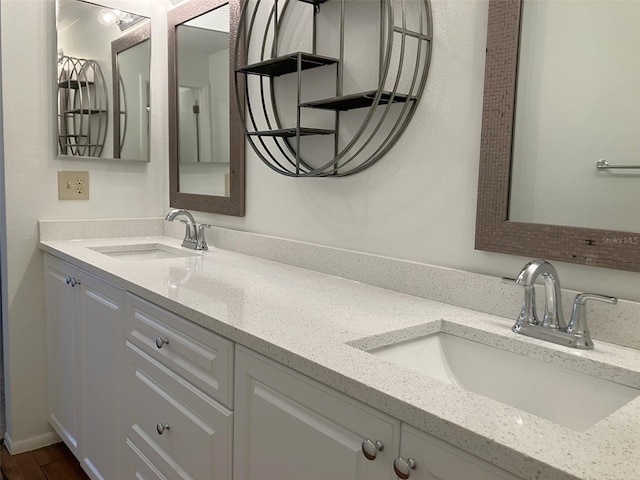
(54, 462)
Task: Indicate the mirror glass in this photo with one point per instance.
(102, 79)
(130, 56)
(577, 102)
(203, 103)
(206, 137)
(561, 93)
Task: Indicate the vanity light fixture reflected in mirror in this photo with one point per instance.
(102, 81)
(206, 142)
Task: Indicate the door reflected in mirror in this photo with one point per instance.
(104, 60)
(202, 47)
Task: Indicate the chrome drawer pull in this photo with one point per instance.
(370, 448)
(160, 342)
(161, 427)
(402, 467)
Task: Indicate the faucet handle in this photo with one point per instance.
(578, 323)
(202, 242)
(582, 298)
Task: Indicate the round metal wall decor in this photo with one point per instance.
(82, 107)
(330, 85)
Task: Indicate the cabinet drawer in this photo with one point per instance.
(195, 353)
(196, 442)
(141, 466)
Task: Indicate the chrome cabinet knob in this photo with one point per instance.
(161, 427)
(73, 282)
(160, 342)
(402, 467)
(67, 279)
(370, 448)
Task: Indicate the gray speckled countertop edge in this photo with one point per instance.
(246, 300)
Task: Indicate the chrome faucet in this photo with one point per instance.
(553, 327)
(553, 317)
(193, 237)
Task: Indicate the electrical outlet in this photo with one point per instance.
(73, 185)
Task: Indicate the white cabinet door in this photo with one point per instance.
(437, 460)
(101, 308)
(85, 345)
(63, 354)
(288, 426)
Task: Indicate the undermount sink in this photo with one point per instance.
(566, 397)
(143, 251)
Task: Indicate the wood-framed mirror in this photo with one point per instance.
(497, 227)
(206, 138)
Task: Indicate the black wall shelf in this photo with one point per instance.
(357, 100)
(286, 64)
(292, 132)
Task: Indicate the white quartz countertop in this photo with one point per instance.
(309, 320)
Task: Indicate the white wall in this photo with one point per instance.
(219, 109)
(117, 190)
(418, 203)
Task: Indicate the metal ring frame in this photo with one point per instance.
(262, 124)
(82, 107)
(122, 111)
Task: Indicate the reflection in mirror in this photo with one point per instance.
(578, 101)
(533, 141)
(130, 55)
(206, 136)
(203, 103)
(88, 98)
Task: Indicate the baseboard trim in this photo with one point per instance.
(31, 443)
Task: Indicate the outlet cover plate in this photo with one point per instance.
(73, 185)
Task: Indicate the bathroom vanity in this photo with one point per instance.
(219, 365)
